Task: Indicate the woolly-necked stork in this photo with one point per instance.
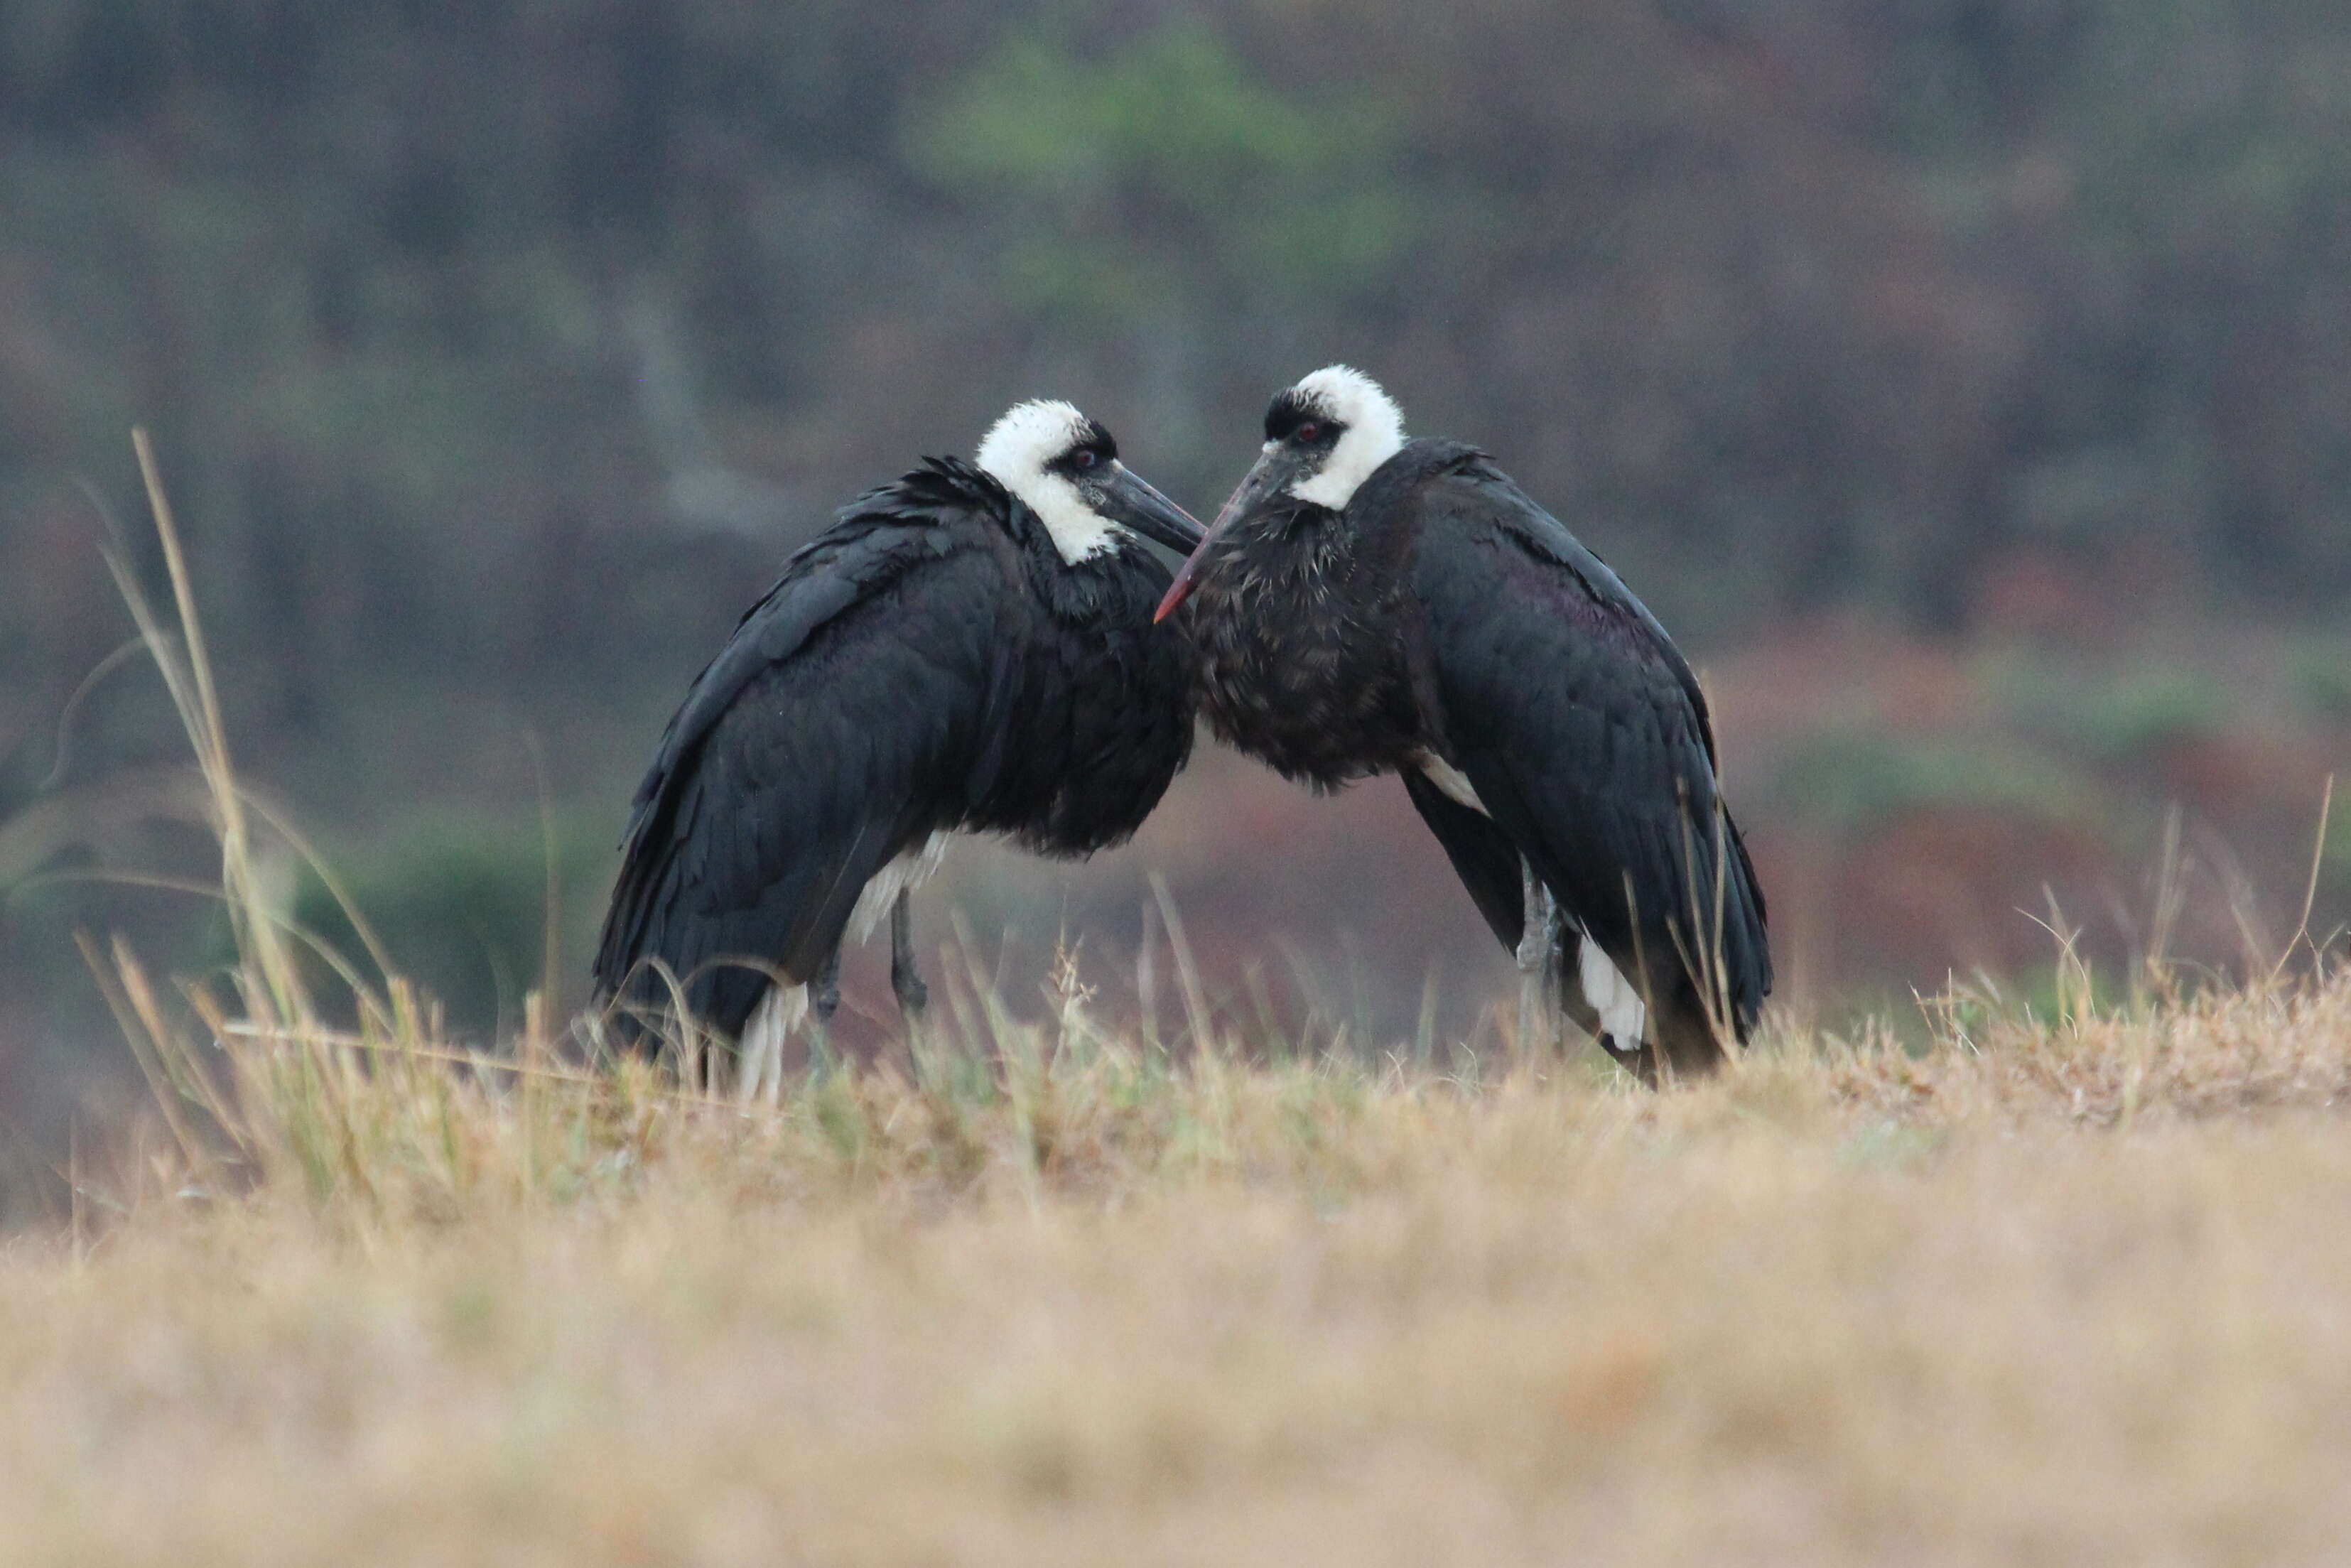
(970, 648)
(1365, 605)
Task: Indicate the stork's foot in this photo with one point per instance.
(1641, 1062)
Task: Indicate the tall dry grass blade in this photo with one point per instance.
(1146, 976)
(146, 1051)
(337, 891)
(1424, 1033)
(211, 736)
(1708, 967)
(1187, 973)
(479, 1063)
(62, 749)
(2170, 904)
(2310, 889)
(550, 980)
(219, 1104)
(189, 679)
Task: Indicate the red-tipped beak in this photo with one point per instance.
(1272, 471)
(1188, 577)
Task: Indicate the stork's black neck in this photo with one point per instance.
(1294, 621)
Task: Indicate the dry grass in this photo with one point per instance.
(2065, 1290)
(2080, 1296)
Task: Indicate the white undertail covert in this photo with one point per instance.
(1374, 433)
(759, 1054)
(905, 873)
(1624, 1017)
(1014, 454)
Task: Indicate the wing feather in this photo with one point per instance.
(842, 723)
(1587, 740)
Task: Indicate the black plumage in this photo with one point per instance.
(940, 660)
(1366, 605)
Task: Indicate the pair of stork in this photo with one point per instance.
(989, 647)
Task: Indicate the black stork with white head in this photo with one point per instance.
(970, 648)
(1365, 605)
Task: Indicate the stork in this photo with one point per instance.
(1365, 605)
(969, 648)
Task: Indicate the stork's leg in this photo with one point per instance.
(1539, 979)
(905, 980)
(824, 1001)
(824, 990)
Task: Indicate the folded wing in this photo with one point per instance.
(837, 729)
(1586, 739)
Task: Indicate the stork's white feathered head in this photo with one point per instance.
(1065, 467)
(1342, 424)
(1323, 437)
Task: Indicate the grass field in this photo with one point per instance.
(2068, 1292)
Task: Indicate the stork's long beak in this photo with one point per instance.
(1123, 497)
(1271, 473)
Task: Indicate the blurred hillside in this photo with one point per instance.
(498, 354)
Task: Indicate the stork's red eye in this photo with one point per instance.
(1309, 431)
(1084, 459)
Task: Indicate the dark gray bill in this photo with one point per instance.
(1122, 497)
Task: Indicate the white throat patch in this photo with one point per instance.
(1014, 454)
(1374, 433)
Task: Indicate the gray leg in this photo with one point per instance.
(824, 1001)
(824, 990)
(1538, 978)
(913, 995)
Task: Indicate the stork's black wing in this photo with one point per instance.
(1586, 737)
(1483, 854)
(848, 716)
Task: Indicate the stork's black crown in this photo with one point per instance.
(1092, 446)
(1292, 409)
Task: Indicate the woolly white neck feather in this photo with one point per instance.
(1374, 433)
(1014, 453)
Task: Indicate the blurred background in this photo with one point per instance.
(1966, 384)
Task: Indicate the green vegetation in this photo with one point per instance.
(1858, 780)
(1273, 192)
(462, 907)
